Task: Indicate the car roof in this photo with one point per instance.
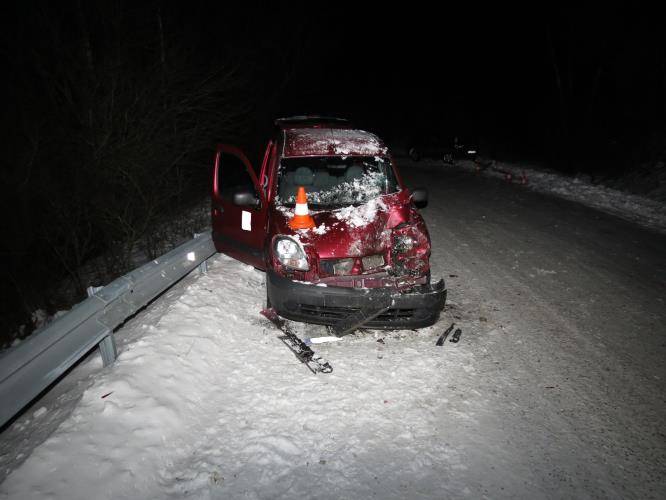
(330, 141)
(311, 121)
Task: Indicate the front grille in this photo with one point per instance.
(326, 311)
(396, 314)
(337, 313)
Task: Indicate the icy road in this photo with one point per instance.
(556, 389)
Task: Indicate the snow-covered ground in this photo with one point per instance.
(555, 390)
(640, 209)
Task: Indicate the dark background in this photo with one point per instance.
(112, 108)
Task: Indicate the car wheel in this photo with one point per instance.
(448, 158)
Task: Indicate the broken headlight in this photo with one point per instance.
(403, 243)
(290, 254)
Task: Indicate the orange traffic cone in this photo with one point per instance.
(301, 218)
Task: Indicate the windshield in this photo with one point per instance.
(334, 181)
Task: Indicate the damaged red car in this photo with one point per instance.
(331, 222)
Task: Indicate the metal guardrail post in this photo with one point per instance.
(107, 347)
(92, 290)
(203, 267)
(108, 350)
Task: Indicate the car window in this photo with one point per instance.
(232, 176)
(335, 181)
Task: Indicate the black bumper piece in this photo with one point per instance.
(329, 305)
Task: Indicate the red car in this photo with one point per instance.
(355, 254)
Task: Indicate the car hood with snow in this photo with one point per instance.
(385, 235)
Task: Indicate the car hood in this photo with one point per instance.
(352, 231)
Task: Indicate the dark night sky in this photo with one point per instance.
(410, 70)
(488, 71)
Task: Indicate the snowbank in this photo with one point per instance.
(639, 209)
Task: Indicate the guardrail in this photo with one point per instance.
(33, 365)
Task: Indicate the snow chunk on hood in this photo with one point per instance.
(361, 215)
(321, 229)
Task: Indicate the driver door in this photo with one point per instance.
(239, 208)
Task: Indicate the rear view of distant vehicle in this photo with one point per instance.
(449, 150)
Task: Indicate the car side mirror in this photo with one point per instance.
(246, 198)
(420, 197)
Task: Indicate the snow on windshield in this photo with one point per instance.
(335, 181)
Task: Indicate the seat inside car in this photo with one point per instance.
(323, 180)
(302, 176)
(353, 172)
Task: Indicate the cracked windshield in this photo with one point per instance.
(332, 182)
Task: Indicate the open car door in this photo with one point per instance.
(239, 208)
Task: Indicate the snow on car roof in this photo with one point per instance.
(331, 141)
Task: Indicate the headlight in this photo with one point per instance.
(290, 254)
(403, 243)
(471, 152)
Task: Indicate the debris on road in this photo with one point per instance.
(456, 336)
(359, 318)
(509, 175)
(320, 340)
(303, 352)
(442, 337)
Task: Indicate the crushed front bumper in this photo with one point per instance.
(327, 305)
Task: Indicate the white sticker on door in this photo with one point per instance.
(246, 221)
